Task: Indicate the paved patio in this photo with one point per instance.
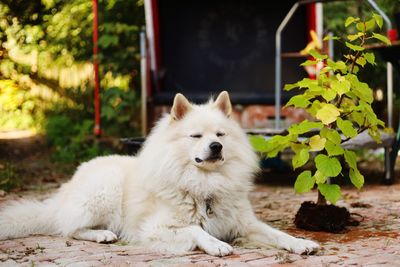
(375, 242)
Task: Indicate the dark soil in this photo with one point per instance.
(327, 218)
(27, 163)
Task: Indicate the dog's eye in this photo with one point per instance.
(196, 135)
(219, 134)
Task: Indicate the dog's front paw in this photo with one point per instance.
(105, 236)
(304, 246)
(216, 247)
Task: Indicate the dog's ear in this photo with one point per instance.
(180, 107)
(224, 103)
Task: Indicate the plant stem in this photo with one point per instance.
(321, 199)
(358, 53)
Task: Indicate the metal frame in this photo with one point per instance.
(143, 78)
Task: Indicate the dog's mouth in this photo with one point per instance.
(211, 159)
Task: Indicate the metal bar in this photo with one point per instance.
(389, 67)
(278, 59)
(389, 74)
(389, 85)
(143, 77)
(278, 63)
(388, 174)
(331, 45)
(149, 16)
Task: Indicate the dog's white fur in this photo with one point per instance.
(175, 195)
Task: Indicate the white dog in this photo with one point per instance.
(187, 188)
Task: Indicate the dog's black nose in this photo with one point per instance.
(215, 147)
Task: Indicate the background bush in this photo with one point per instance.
(46, 74)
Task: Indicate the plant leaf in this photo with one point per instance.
(338, 65)
(370, 57)
(309, 63)
(319, 177)
(370, 24)
(361, 61)
(350, 20)
(328, 166)
(306, 83)
(351, 158)
(317, 55)
(329, 94)
(328, 113)
(298, 101)
(304, 182)
(317, 143)
(331, 135)
(361, 26)
(346, 127)
(276, 144)
(313, 109)
(378, 19)
(259, 143)
(341, 87)
(356, 178)
(353, 37)
(289, 87)
(381, 38)
(360, 89)
(300, 158)
(327, 38)
(354, 47)
(331, 192)
(375, 134)
(304, 127)
(333, 149)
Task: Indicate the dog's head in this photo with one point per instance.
(206, 129)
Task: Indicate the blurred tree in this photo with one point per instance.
(46, 50)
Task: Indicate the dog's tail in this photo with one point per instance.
(25, 217)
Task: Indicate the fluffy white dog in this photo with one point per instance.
(187, 188)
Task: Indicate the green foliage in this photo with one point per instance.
(340, 104)
(8, 178)
(120, 108)
(70, 129)
(71, 140)
(19, 109)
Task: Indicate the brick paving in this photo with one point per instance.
(375, 242)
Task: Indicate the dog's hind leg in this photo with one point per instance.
(92, 201)
(99, 236)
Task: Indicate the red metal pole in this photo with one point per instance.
(97, 129)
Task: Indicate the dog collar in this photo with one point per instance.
(209, 210)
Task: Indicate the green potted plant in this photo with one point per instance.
(340, 105)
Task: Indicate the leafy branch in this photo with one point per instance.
(340, 105)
